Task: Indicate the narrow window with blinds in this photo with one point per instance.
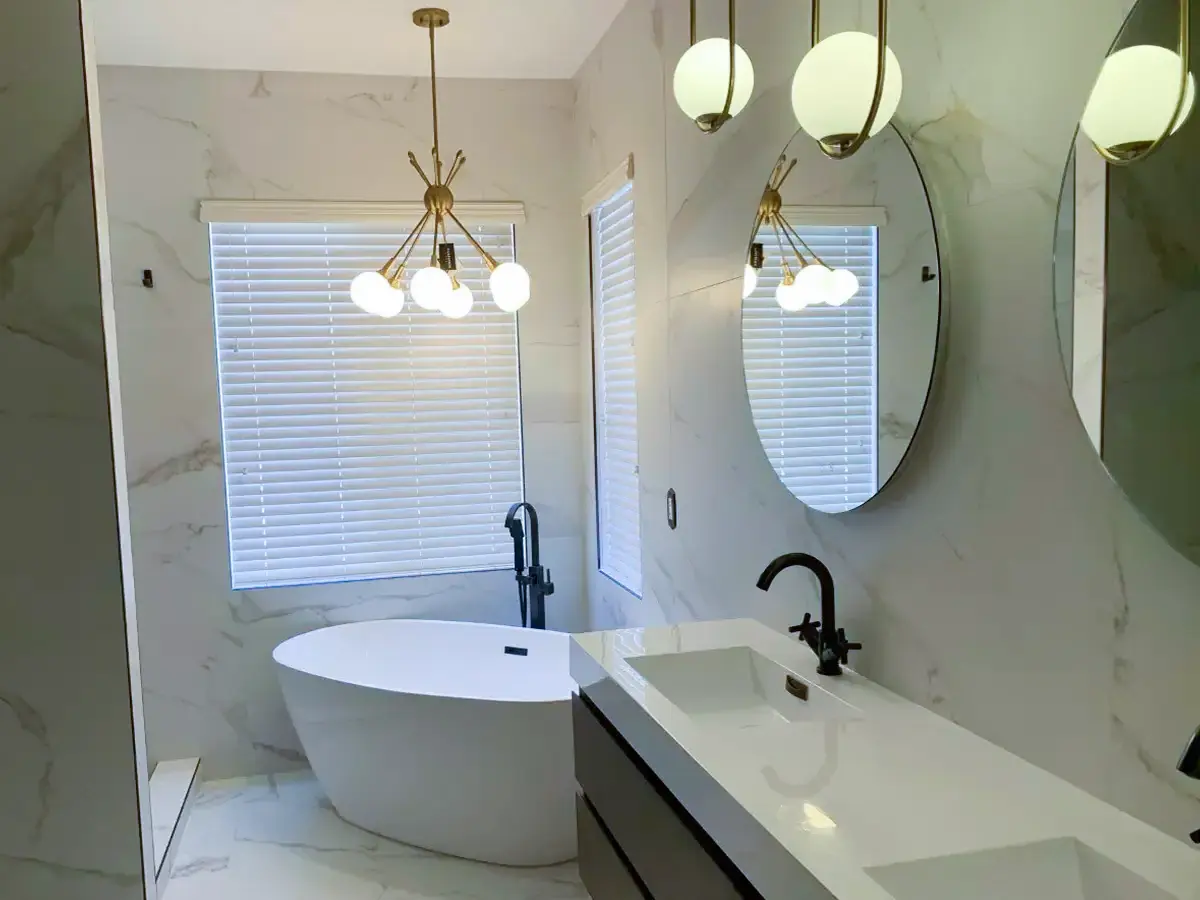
(614, 324)
(812, 374)
(358, 447)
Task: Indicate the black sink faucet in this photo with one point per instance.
(535, 585)
(824, 637)
(1189, 765)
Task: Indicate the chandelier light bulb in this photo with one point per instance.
(510, 286)
(843, 285)
(459, 303)
(749, 281)
(814, 281)
(372, 294)
(702, 79)
(790, 297)
(834, 85)
(430, 288)
(1134, 97)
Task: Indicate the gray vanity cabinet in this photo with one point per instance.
(635, 841)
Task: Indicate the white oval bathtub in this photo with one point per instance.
(441, 734)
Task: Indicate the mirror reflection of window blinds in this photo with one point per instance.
(813, 375)
(358, 447)
(614, 326)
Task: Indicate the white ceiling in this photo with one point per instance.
(485, 38)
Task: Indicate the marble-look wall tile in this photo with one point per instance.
(70, 815)
(174, 137)
(1002, 579)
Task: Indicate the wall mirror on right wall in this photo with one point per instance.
(1127, 285)
(841, 317)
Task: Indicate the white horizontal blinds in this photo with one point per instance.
(615, 314)
(358, 447)
(812, 374)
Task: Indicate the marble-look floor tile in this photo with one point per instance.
(278, 838)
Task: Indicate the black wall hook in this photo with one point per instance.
(147, 278)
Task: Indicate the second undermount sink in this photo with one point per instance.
(738, 687)
(1063, 869)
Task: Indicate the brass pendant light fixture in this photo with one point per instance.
(437, 286)
(847, 87)
(812, 282)
(1142, 96)
(714, 78)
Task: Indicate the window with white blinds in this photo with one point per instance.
(358, 447)
(812, 374)
(614, 325)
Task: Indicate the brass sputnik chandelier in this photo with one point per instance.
(436, 287)
(811, 282)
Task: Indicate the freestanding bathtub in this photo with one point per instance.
(450, 736)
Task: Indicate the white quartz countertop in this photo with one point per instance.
(846, 798)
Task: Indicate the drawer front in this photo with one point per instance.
(604, 874)
(668, 858)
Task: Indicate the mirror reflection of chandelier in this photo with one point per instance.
(810, 282)
(436, 286)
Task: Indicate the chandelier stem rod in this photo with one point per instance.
(693, 24)
(488, 259)
(790, 232)
(411, 239)
(437, 150)
(787, 270)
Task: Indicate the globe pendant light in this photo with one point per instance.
(431, 288)
(843, 285)
(847, 87)
(714, 78)
(372, 293)
(435, 287)
(1142, 96)
(510, 286)
(459, 302)
(815, 282)
(790, 296)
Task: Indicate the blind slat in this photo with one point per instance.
(357, 447)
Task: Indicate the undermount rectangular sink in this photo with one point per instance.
(1063, 869)
(738, 687)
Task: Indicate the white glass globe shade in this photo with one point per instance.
(749, 281)
(430, 288)
(459, 303)
(790, 297)
(702, 79)
(391, 303)
(1134, 97)
(369, 292)
(835, 82)
(843, 285)
(814, 281)
(510, 286)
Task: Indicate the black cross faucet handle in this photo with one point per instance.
(845, 646)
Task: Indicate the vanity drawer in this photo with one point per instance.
(605, 874)
(668, 857)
